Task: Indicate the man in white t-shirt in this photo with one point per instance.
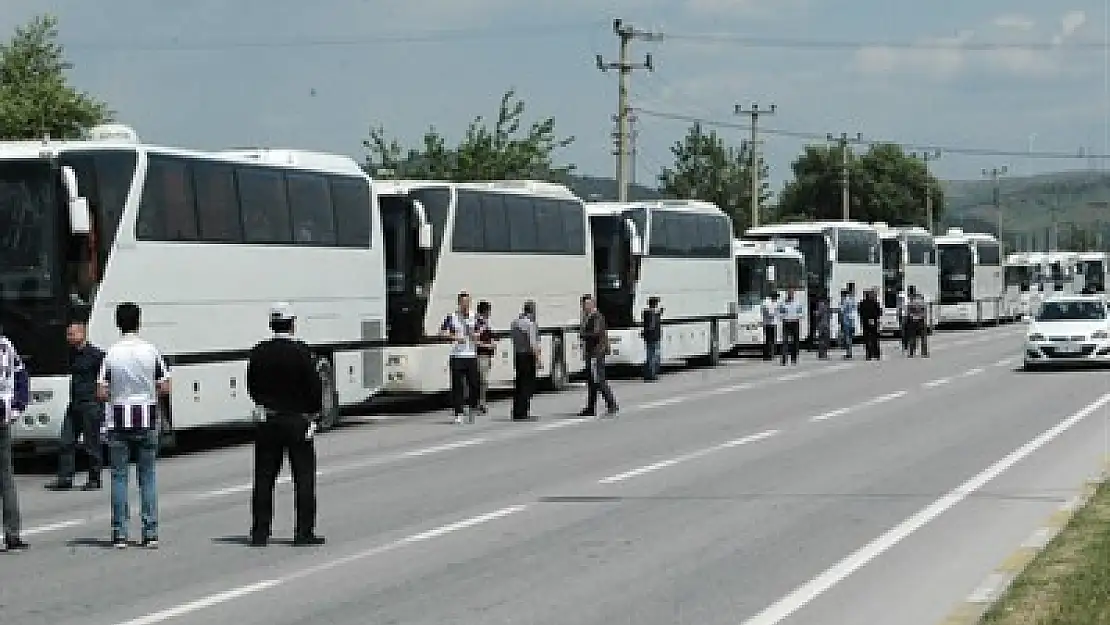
(131, 378)
(462, 328)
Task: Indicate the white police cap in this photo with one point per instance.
(281, 311)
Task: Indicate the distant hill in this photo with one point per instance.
(1076, 199)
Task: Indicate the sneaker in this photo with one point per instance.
(311, 540)
(458, 419)
(586, 412)
(150, 542)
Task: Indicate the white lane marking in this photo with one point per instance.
(659, 403)
(53, 527)
(794, 376)
(971, 372)
(1004, 362)
(875, 401)
(249, 589)
(416, 453)
(554, 425)
(620, 477)
(796, 600)
(990, 588)
(935, 383)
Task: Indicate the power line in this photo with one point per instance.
(820, 137)
(428, 36)
(815, 44)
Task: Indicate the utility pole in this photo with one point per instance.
(995, 173)
(925, 157)
(626, 33)
(842, 141)
(753, 114)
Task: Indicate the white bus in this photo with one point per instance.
(762, 268)
(970, 278)
(1021, 281)
(909, 259)
(685, 260)
(503, 242)
(204, 242)
(1093, 267)
(1060, 271)
(837, 253)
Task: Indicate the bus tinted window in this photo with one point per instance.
(468, 235)
(521, 213)
(574, 227)
(264, 206)
(989, 254)
(690, 235)
(856, 246)
(495, 223)
(311, 209)
(751, 279)
(549, 227)
(217, 203)
(167, 211)
(920, 251)
(350, 198)
(104, 178)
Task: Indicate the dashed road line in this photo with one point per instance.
(874, 401)
(651, 468)
(935, 383)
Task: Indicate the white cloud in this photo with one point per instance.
(946, 58)
(723, 8)
(1014, 21)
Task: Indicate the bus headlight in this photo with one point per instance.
(43, 418)
(1100, 334)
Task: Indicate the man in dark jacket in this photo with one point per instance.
(282, 380)
(595, 339)
(870, 312)
(84, 413)
(653, 335)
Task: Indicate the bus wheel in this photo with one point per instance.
(167, 437)
(560, 379)
(329, 411)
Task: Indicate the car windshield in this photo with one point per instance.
(1072, 311)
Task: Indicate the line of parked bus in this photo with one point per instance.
(205, 241)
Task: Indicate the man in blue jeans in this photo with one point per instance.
(131, 378)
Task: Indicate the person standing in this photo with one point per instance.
(595, 336)
(459, 326)
(822, 319)
(848, 309)
(84, 414)
(282, 380)
(791, 312)
(14, 396)
(526, 356)
(770, 311)
(486, 349)
(903, 320)
(653, 335)
(131, 378)
(917, 313)
(870, 312)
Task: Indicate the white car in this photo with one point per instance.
(1068, 329)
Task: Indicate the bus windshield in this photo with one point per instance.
(752, 279)
(1094, 275)
(28, 231)
(955, 272)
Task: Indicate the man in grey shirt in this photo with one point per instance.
(526, 356)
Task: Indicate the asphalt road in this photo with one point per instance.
(832, 492)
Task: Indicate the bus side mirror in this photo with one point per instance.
(80, 220)
(424, 237)
(636, 245)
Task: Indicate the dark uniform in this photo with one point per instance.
(83, 417)
(869, 314)
(282, 380)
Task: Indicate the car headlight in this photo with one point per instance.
(1101, 334)
(1035, 337)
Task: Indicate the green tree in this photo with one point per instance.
(706, 168)
(36, 98)
(504, 152)
(884, 184)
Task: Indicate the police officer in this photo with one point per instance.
(84, 414)
(282, 381)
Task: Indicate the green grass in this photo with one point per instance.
(1069, 582)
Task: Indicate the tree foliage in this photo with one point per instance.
(706, 168)
(507, 150)
(36, 98)
(885, 184)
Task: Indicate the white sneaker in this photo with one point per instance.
(458, 419)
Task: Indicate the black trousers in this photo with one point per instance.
(598, 384)
(524, 385)
(465, 380)
(791, 336)
(81, 419)
(275, 437)
(917, 332)
(871, 339)
(768, 342)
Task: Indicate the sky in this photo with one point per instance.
(317, 75)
